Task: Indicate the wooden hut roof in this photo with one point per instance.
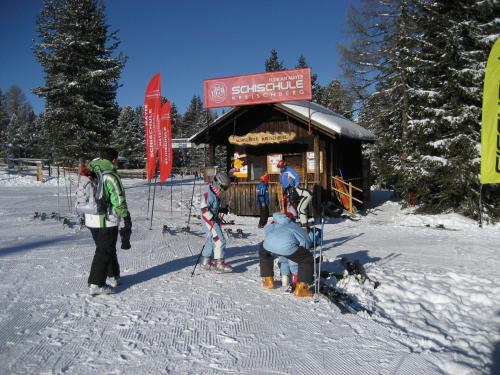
(322, 119)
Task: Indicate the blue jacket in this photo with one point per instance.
(262, 194)
(289, 177)
(283, 237)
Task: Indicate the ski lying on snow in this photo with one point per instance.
(346, 303)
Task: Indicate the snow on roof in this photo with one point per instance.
(327, 120)
(321, 117)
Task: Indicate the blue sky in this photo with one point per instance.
(188, 41)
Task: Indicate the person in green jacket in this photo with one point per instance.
(104, 225)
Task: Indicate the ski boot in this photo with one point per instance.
(302, 290)
(94, 289)
(222, 267)
(206, 263)
(286, 285)
(268, 282)
(115, 281)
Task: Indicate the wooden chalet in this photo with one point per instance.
(299, 132)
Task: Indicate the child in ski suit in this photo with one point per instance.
(216, 242)
(289, 268)
(290, 182)
(263, 200)
(285, 238)
(104, 226)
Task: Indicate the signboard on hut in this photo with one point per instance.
(271, 87)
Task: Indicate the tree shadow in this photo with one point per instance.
(341, 240)
(233, 255)
(243, 257)
(33, 245)
(362, 256)
(495, 357)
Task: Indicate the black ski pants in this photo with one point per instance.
(264, 215)
(105, 262)
(301, 256)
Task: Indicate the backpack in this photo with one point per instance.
(90, 196)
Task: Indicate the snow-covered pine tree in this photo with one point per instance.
(178, 131)
(4, 121)
(76, 51)
(457, 39)
(195, 119)
(317, 89)
(128, 136)
(21, 135)
(375, 66)
(336, 98)
(272, 63)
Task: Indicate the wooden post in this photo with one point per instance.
(39, 170)
(350, 197)
(317, 189)
(211, 154)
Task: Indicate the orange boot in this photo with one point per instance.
(268, 282)
(302, 290)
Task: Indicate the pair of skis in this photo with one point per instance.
(346, 303)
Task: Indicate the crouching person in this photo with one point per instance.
(213, 253)
(287, 239)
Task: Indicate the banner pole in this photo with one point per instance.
(149, 195)
(153, 205)
(481, 206)
(171, 190)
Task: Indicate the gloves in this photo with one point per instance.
(125, 232)
(224, 210)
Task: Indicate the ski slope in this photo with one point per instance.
(437, 310)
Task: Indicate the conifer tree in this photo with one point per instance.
(317, 90)
(76, 51)
(128, 136)
(336, 98)
(194, 120)
(272, 63)
(458, 37)
(417, 67)
(21, 135)
(4, 121)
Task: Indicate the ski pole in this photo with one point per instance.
(199, 255)
(321, 250)
(191, 204)
(314, 257)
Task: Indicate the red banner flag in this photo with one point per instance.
(152, 104)
(165, 146)
(272, 87)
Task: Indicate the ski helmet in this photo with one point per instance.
(281, 164)
(222, 181)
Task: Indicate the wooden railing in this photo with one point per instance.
(344, 191)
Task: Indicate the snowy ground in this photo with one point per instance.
(437, 310)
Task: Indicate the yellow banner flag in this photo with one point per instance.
(490, 131)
